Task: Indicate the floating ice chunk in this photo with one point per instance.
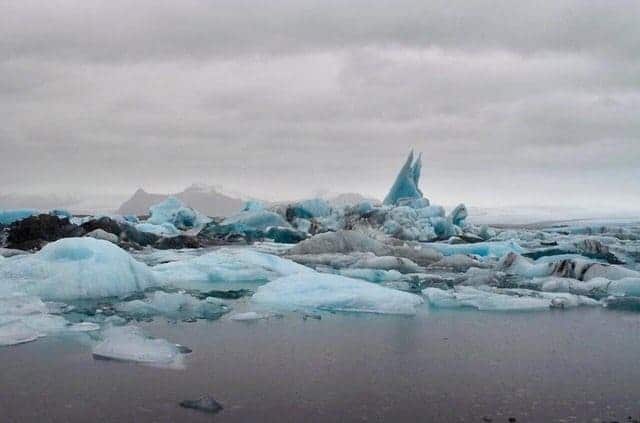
(249, 316)
(372, 275)
(308, 209)
(21, 305)
(228, 265)
(104, 235)
(491, 299)
(459, 215)
(7, 217)
(128, 343)
(257, 220)
(406, 183)
(163, 229)
(175, 212)
(458, 262)
(174, 306)
(334, 293)
(16, 332)
(581, 269)
(340, 242)
(74, 268)
(400, 264)
(623, 287)
(483, 249)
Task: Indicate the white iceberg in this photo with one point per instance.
(162, 229)
(75, 268)
(128, 343)
(321, 291)
(249, 316)
(227, 265)
(173, 305)
(493, 299)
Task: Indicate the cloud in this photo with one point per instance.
(280, 99)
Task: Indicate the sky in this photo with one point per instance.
(510, 102)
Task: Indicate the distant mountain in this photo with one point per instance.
(202, 198)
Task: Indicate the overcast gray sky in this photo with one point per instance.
(510, 102)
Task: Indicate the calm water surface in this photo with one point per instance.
(440, 366)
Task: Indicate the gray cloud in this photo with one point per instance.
(510, 102)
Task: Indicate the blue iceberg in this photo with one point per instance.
(175, 212)
(7, 217)
(406, 183)
(75, 268)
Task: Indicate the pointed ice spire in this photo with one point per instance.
(406, 184)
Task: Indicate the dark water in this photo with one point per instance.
(574, 366)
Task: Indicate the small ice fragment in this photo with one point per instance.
(250, 315)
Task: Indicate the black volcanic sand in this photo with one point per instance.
(440, 366)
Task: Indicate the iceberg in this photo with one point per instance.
(406, 183)
(174, 306)
(16, 332)
(371, 275)
(312, 208)
(128, 343)
(493, 299)
(163, 229)
(175, 212)
(255, 220)
(321, 291)
(482, 249)
(25, 318)
(227, 265)
(248, 316)
(458, 215)
(7, 217)
(340, 242)
(75, 268)
(574, 268)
